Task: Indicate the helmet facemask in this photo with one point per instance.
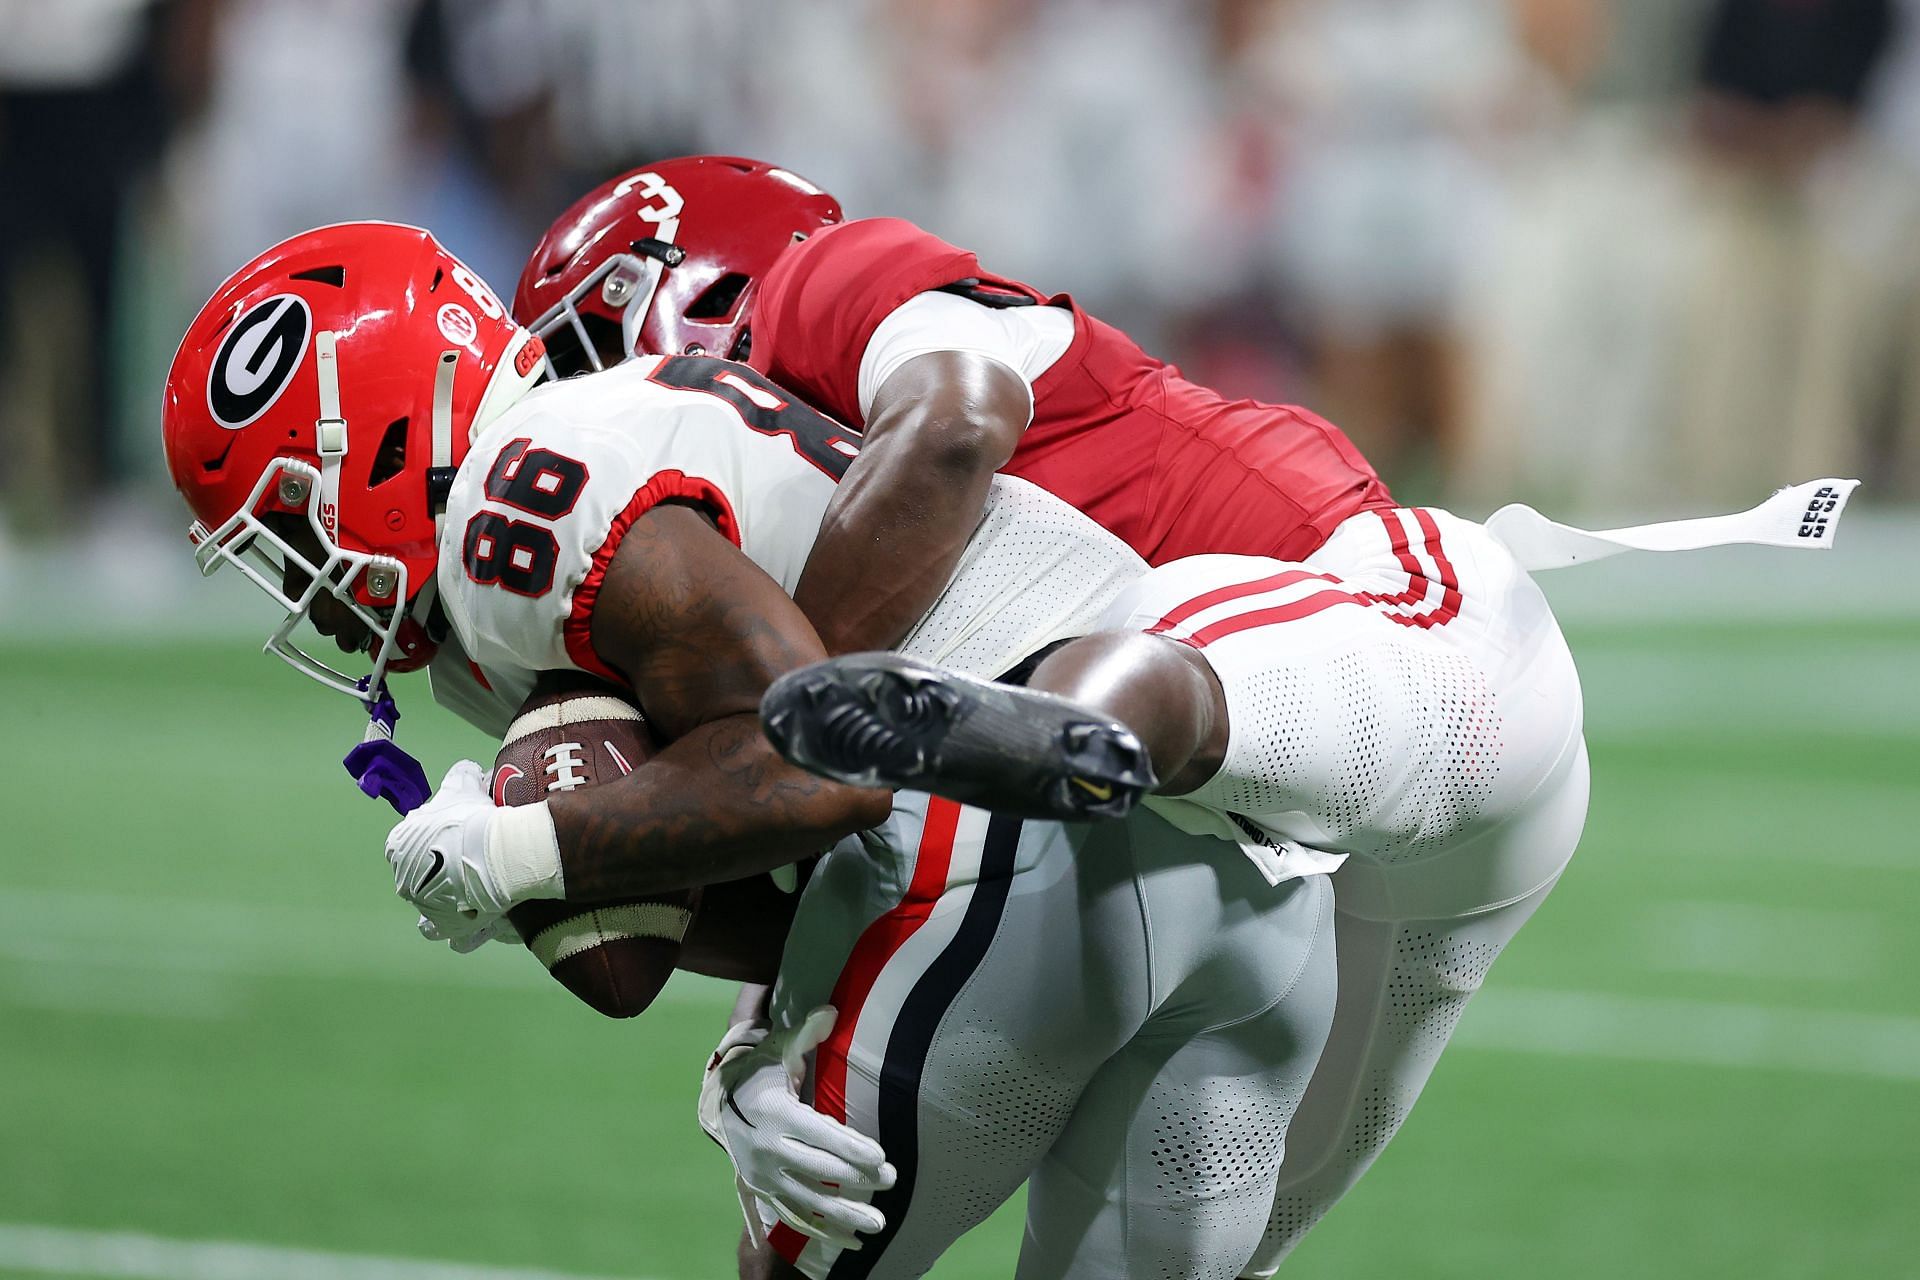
(293, 488)
(624, 284)
(294, 579)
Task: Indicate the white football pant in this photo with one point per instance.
(1403, 697)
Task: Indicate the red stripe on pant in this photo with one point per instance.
(1447, 610)
(1450, 597)
(878, 945)
(1416, 576)
(1238, 590)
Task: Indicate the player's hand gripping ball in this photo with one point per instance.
(613, 955)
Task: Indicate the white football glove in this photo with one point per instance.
(801, 1163)
(465, 863)
(500, 930)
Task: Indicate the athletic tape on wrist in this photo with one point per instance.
(523, 853)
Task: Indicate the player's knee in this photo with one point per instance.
(1162, 690)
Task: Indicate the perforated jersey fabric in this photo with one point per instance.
(1019, 1100)
(1035, 571)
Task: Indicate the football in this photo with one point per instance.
(615, 956)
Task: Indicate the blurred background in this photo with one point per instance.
(1617, 258)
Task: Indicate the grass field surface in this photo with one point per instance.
(224, 1053)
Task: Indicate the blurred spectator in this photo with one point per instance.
(1606, 250)
(482, 170)
(83, 114)
(1066, 142)
(1390, 119)
(1571, 315)
(1780, 281)
(1883, 399)
(305, 125)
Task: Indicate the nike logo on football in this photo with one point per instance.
(439, 861)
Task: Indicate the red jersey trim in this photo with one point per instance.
(665, 486)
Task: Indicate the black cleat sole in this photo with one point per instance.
(881, 720)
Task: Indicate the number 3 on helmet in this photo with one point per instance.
(665, 260)
(315, 414)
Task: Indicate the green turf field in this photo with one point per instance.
(1701, 1060)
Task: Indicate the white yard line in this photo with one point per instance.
(193, 958)
(121, 956)
(1641, 692)
(129, 1255)
(1748, 940)
(1585, 1024)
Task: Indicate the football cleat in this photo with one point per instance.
(881, 720)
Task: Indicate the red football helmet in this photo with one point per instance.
(665, 260)
(315, 414)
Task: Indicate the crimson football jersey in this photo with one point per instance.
(1171, 467)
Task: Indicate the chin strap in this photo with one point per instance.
(329, 430)
(440, 469)
(379, 766)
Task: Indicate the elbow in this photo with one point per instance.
(967, 448)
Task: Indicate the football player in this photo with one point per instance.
(1325, 672)
(354, 421)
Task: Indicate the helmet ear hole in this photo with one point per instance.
(718, 300)
(391, 459)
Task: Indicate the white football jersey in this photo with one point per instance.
(549, 489)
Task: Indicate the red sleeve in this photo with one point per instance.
(817, 309)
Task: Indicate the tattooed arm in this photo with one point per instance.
(700, 632)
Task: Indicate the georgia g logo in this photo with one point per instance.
(257, 359)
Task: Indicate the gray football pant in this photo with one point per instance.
(1125, 1015)
(1403, 987)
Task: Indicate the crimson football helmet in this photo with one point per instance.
(665, 260)
(315, 413)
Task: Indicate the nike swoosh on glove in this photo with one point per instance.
(814, 1172)
(439, 858)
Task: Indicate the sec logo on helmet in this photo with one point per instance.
(457, 324)
(257, 359)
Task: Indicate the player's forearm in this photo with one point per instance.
(898, 515)
(906, 508)
(718, 804)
